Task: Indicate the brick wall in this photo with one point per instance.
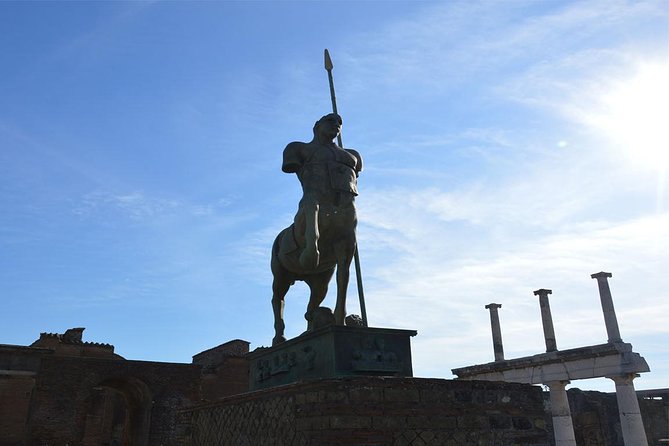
(231, 377)
(71, 392)
(15, 395)
(225, 370)
(597, 422)
(374, 411)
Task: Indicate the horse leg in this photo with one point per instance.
(310, 256)
(318, 285)
(280, 287)
(344, 250)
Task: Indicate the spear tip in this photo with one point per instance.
(328, 61)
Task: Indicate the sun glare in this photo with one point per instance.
(635, 116)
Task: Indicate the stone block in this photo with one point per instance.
(333, 396)
(400, 394)
(421, 421)
(388, 422)
(522, 423)
(473, 422)
(443, 422)
(350, 422)
(499, 422)
(365, 394)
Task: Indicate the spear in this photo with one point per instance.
(356, 256)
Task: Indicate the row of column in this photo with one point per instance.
(610, 319)
(628, 404)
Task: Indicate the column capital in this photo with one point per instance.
(557, 385)
(601, 275)
(493, 306)
(624, 379)
(543, 292)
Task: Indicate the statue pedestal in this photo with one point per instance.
(332, 352)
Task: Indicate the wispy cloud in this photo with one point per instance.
(548, 207)
(488, 174)
(436, 274)
(138, 206)
(446, 44)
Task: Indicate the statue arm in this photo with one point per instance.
(292, 157)
(358, 164)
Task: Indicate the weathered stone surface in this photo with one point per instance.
(65, 402)
(353, 320)
(366, 411)
(63, 390)
(562, 365)
(597, 423)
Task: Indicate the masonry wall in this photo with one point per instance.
(68, 392)
(597, 422)
(63, 391)
(229, 378)
(373, 411)
(15, 394)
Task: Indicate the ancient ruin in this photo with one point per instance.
(557, 368)
(64, 390)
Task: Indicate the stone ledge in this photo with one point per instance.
(561, 365)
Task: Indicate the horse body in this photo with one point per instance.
(336, 246)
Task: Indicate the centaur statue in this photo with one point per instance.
(322, 236)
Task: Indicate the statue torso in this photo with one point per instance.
(322, 169)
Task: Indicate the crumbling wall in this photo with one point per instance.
(597, 422)
(68, 391)
(374, 411)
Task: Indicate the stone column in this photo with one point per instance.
(631, 423)
(497, 346)
(547, 319)
(563, 428)
(607, 306)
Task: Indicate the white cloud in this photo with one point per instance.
(138, 206)
(444, 45)
(435, 283)
(553, 210)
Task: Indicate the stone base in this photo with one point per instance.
(373, 411)
(330, 352)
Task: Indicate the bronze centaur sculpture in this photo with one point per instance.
(322, 236)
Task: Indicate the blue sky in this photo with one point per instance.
(508, 146)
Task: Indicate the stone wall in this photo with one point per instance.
(15, 394)
(597, 422)
(373, 411)
(64, 391)
(225, 370)
(71, 393)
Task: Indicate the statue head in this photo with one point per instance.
(328, 127)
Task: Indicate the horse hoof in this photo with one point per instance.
(278, 340)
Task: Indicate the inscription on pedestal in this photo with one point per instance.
(372, 356)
